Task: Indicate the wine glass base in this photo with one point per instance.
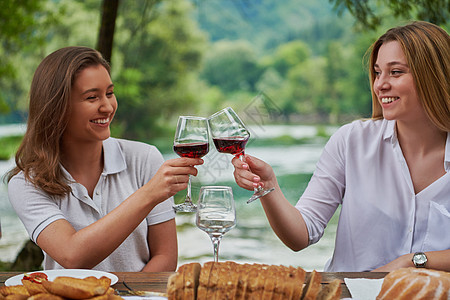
(183, 207)
(258, 194)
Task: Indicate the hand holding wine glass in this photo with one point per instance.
(216, 213)
(230, 135)
(191, 140)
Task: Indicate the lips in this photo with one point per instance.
(387, 100)
(100, 121)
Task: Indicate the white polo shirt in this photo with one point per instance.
(128, 165)
(363, 169)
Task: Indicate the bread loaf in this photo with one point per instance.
(312, 286)
(412, 283)
(230, 280)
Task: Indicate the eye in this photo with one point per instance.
(377, 73)
(397, 72)
(91, 98)
(109, 94)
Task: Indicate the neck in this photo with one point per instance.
(420, 137)
(80, 158)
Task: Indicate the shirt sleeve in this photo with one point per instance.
(326, 188)
(34, 207)
(163, 211)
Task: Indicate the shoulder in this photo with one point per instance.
(364, 128)
(134, 150)
(129, 146)
(120, 154)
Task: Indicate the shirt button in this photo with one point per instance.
(97, 192)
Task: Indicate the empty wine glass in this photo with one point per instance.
(216, 213)
(230, 135)
(191, 140)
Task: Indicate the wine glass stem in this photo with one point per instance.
(216, 241)
(188, 195)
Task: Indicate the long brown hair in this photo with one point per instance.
(427, 51)
(39, 154)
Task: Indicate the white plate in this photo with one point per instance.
(52, 274)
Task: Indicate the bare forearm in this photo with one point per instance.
(89, 246)
(285, 220)
(161, 263)
(438, 260)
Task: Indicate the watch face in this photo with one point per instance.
(420, 258)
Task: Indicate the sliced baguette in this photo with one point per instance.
(191, 281)
(312, 286)
(171, 288)
(330, 291)
(205, 273)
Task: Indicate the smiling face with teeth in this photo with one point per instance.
(93, 105)
(394, 85)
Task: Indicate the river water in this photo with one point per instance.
(252, 240)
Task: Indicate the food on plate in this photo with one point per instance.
(33, 287)
(62, 287)
(36, 277)
(14, 290)
(415, 283)
(230, 280)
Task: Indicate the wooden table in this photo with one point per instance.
(157, 282)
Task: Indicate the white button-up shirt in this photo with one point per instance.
(363, 169)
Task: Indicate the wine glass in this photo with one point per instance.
(216, 213)
(230, 135)
(191, 140)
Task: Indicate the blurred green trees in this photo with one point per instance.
(174, 57)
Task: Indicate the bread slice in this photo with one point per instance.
(241, 290)
(279, 284)
(191, 281)
(171, 288)
(299, 280)
(74, 288)
(16, 297)
(205, 273)
(269, 283)
(312, 286)
(228, 280)
(330, 291)
(14, 290)
(46, 296)
(33, 288)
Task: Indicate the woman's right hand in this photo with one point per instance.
(252, 172)
(172, 177)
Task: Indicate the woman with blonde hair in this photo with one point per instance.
(88, 200)
(389, 174)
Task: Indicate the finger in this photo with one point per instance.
(185, 161)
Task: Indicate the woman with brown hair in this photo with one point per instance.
(390, 174)
(86, 199)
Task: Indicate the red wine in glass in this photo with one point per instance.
(192, 150)
(191, 140)
(230, 135)
(232, 145)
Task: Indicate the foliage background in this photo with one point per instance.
(174, 57)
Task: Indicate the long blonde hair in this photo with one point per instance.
(427, 50)
(39, 154)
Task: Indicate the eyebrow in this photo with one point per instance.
(96, 89)
(393, 63)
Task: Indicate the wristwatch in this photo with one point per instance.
(419, 259)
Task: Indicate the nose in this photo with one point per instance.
(381, 82)
(108, 104)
